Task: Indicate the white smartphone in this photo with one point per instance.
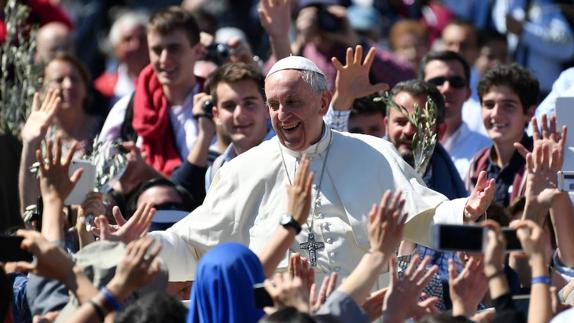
(456, 237)
(87, 181)
(565, 117)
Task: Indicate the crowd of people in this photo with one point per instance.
(291, 161)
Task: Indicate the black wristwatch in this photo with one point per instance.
(287, 221)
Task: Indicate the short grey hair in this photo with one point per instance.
(126, 20)
(317, 81)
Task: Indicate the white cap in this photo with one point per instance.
(294, 63)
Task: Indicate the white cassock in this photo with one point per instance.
(248, 198)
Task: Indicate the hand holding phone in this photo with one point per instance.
(455, 237)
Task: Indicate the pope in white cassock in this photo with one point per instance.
(247, 198)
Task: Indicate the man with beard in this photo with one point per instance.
(440, 174)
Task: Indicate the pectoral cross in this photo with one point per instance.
(312, 246)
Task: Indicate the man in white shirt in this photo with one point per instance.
(451, 75)
(247, 198)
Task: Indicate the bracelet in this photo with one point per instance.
(498, 273)
(99, 310)
(110, 299)
(541, 280)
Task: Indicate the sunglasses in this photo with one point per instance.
(455, 81)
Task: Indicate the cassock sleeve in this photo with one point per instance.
(222, 217)
(425, 207)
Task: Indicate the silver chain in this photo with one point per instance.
(318, 194)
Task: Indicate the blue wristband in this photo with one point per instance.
(540, 280)
(110, 299)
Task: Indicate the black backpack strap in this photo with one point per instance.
(127, 132)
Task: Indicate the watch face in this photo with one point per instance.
(285, 220)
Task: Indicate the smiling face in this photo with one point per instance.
(242, 113)
(173, 58)
(296, 110)
(61, 74)
(503, 115)
(400, 130)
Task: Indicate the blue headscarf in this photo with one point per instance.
(223, 287)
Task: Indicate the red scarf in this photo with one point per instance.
(151, 122)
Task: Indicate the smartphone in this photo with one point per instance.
(262, 297)
(11, 251)
(512, 241)
(455, 237)
(86, 184)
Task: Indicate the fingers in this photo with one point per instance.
(451, 271)
(49, 152)
(521, 149)
(117, 214)
(370, 57)
(323, 290)
(482, 181)
(58, 154)
(349, 56)
(70, 154)
(553, 133)
(358, 55)
(105, 231)
(42, 166)
(302, 172)
(337, 63)
(544, 121)
(332, 283)
(76, 176)
(535, 129)
(36, 102)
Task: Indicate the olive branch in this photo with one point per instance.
(425, 137)
(19, 74)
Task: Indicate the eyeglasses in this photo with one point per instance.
(455, 81)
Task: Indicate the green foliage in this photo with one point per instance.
(19, 76)
(110, 160)
(425, 137)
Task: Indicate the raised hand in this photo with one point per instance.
(402, 298)
(531, 236)
(386, 224)
(138, 268)
(51, 261)
(299, 193)
(352, 80)
(299, 267)
(327, 287)
(286, 290)
(480, 198)
(373, 305)
(41, 116)
(125, 231)
(468, 288)
(494, 252)
(55, 184)
(543, 162)
(275, 17)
